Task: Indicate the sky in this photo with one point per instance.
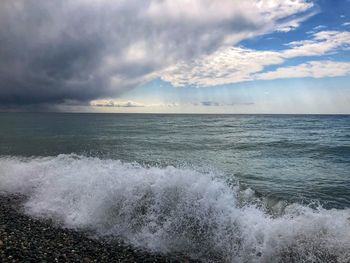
(184, 56)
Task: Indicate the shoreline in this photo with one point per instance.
(23, 238)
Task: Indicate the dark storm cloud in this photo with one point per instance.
(42, 63)
(54, 51)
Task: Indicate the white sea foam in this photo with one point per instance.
(172, 210)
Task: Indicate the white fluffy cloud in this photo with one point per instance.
(228, 65)
(103, 103)
(322, 43)
(118, 104)
(232, 65)
(314, 69)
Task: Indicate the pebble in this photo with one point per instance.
(24, 239)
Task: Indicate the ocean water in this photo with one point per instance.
(219, 188)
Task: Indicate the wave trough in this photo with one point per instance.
(171, 210)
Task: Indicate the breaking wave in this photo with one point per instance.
(172, 210)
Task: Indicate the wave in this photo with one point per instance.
(172, 210)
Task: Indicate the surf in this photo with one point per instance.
(174, 210)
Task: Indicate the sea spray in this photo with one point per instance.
(171, 210)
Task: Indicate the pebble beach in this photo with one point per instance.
(26, 239)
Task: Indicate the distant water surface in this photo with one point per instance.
(292, 157)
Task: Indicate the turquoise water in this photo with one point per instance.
(296, 158)
(219, 188)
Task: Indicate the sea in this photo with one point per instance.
(215, 188)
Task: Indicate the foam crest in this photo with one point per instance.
(171, 210)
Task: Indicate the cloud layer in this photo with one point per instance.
(55, 51)
(314, 69)
(237, 64)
